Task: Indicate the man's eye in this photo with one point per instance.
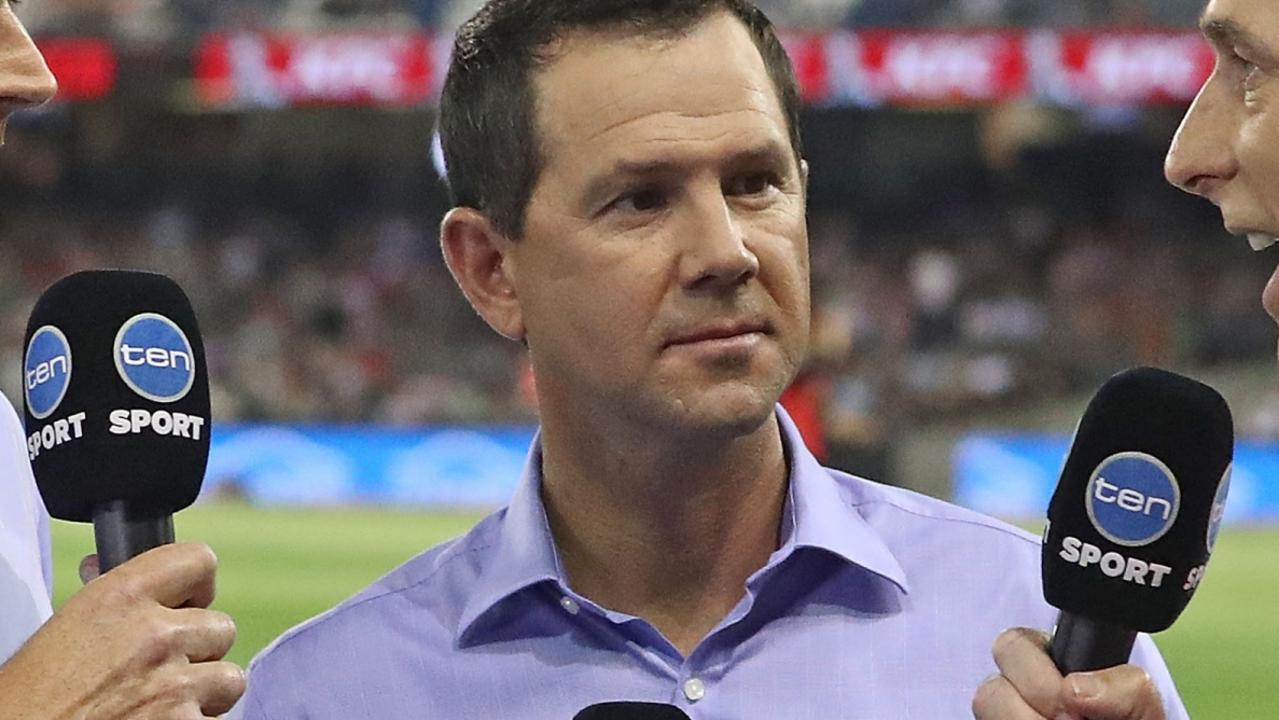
(646, 200)
(756, 184)
(1247, 72)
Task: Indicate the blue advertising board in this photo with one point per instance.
(305, 465)
(1008, 475)
(1013, 476)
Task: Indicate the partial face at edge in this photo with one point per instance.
(1227, 149)
(25, 81)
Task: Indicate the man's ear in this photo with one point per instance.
(478, 255)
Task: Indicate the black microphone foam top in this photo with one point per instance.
(116, 395)
(1141, 497)
(631, 711)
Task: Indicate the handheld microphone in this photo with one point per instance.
(631, 711)
(1135, 515)
(117, 406)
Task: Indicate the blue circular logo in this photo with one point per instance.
(1215, 520)
(47, 371)
(154, 358)
(1133, 499)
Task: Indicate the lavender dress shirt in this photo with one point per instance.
(879, 604)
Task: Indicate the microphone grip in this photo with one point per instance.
(1083, 645)
(121, 533)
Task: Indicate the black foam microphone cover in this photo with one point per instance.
(116, 396)
(1137, 510)
(631, 711)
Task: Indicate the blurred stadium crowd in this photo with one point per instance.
(151, 18)
(350, 316)
(966, 259)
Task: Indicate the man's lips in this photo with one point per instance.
(720, 331)
(1258, 238)
(9, 105)
(1260, 241)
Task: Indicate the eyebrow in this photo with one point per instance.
(1226, 33)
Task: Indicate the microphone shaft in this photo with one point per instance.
(121, 533)
(1083, 645)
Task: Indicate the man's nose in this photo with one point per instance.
(25, 79)
(1201, 158)
(717, 254)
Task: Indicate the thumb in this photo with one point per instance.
(1125, 692)
(89, 569)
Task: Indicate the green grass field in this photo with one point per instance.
(279, 567)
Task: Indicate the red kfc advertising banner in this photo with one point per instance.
(85, 67)
(865, 69)
(278, 70)
(808, 55)
(1086, 68)
(936, 68)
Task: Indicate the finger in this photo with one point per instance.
(175, 575)
(1022, 657)
(218, 686)
(89, 569)
(997, 699)
(1125, 692)
(202, 635)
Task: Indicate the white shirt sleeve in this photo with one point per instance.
(25, 561)
(1147, 656)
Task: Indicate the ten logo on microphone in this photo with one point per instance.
(47, 371)
(1133, 499)
(154, 358)
(1218, 509)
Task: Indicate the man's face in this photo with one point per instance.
(1227, 149)
(25, 81)
(663, 273)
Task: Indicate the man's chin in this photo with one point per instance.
(724, 415)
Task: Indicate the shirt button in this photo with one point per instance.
(694, 689)
(570, 605)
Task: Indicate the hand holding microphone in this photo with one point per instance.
(1131, 527)
(136, 643)
(117, 413)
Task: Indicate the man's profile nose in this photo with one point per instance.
(1200, 158)
(25, 78)
(1190, 173)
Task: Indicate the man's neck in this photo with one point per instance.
(667, 534)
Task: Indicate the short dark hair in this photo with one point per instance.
(487, 121)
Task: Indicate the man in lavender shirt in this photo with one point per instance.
(630, 203)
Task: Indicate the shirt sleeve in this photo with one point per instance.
(1146, 656)
(15, 462)
(45, 543)
(248, 708)
(24, 585)
(273, 679)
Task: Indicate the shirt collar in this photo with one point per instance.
(525, 554)
(816, 516)
(821, 513)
